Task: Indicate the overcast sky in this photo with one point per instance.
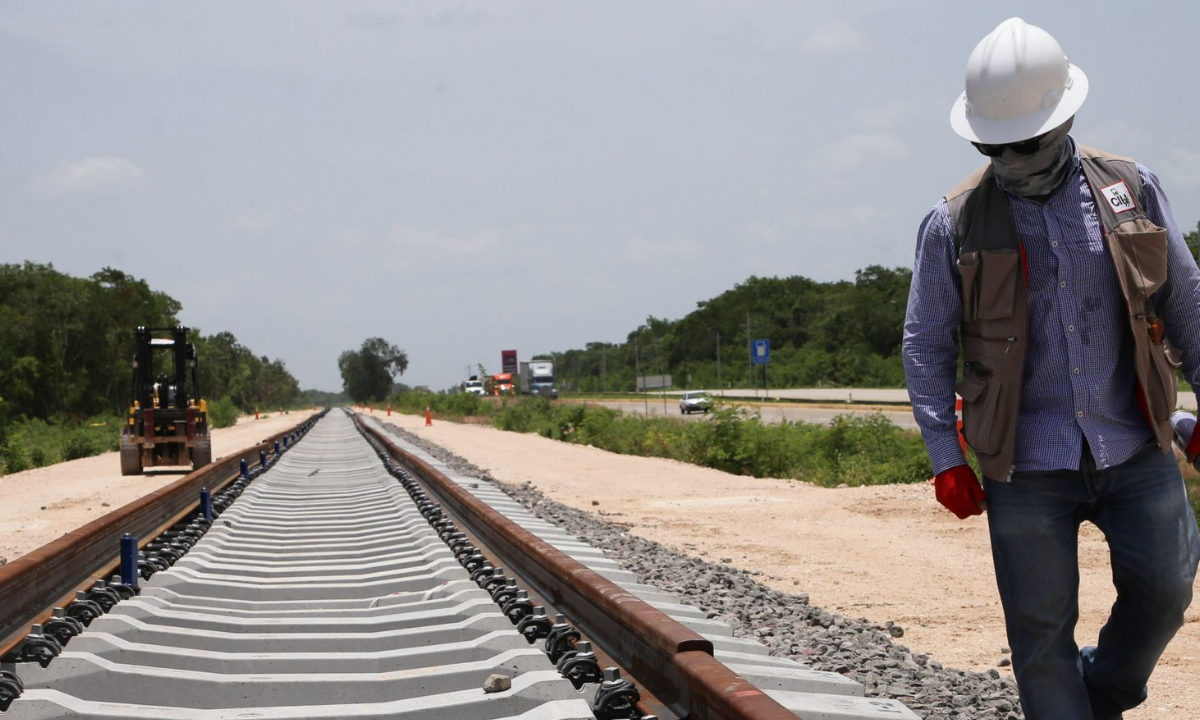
(465, 178)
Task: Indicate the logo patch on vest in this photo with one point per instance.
(1118, 197)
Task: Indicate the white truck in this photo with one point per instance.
(537, 378)
(474, 386)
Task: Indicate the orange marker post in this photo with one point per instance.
(256, 412)
(389, 409)
(962, 440)
(428, 417)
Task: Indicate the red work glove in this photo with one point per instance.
(958, 490)
(1193, 447)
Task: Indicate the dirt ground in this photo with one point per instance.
(884, 553)
(37, 506)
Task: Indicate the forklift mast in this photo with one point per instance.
(175, 389)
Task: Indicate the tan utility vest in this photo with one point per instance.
(995, 313)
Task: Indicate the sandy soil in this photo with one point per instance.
(37, 506)
(884, 553)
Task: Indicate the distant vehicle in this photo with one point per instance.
(167, 423)
(474, 386)
(537, 378)
(502, 384)
(695, 401)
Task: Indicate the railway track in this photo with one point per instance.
(353, 575)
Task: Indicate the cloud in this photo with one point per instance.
(885, 116)
(433, 243)
(373, 20)
(1184, 166)
(854, 151)
(90, 175)
(833, 38)
(663, 250)
(259, 220)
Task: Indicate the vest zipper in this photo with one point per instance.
(1010, 340)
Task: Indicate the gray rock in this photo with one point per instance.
(497, 683)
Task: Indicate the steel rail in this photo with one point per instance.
(49, 576)
(674, 663)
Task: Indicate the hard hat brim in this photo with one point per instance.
(998, 132)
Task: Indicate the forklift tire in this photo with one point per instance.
(131, 460)
(201, 454)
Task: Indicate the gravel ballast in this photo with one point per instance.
(786, 623)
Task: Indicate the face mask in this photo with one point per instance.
(1040, 172)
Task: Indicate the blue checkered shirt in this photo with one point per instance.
(1079, 376)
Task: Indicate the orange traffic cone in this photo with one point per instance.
(389, 410)
(256, 412)
(428, 417)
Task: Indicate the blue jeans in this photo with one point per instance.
(1141, 506)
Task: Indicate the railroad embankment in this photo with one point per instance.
(886, 553)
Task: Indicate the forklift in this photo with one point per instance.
(168, 421)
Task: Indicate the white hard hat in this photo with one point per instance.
(1019, 85)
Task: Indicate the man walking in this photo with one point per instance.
(1063, 272)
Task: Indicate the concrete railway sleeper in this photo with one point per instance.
(48, 638)
(706, 679)
(329, 589)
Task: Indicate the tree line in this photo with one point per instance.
(822, 334)
(843, 333)
(66, 344)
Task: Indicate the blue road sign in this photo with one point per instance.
(760, 353)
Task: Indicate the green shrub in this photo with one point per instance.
(80, 443)
(15, 455)
(37, 457)
(854, 449)
(222, 413)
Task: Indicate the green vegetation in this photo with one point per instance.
(854, 449)
(316, 397)
(33, 443)
(836, 334)
(65, 350)
(367, 373)
(222, 413)
(457, 405)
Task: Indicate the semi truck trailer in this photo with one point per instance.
(537, 378)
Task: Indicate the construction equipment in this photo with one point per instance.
(168, 420)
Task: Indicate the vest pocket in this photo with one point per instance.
(980, 395)
(998, 284)
(1142, 261)
(1162, 393)
(968, 270)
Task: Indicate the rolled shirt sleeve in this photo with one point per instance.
(1177, 302)
(930, 348)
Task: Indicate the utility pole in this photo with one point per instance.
(719, 385)
(750, 357)
(637, 370)
(604, 368)
(662, 390)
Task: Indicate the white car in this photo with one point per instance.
(475, 387)
(695, 401)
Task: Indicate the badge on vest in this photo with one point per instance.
(1118, 197)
